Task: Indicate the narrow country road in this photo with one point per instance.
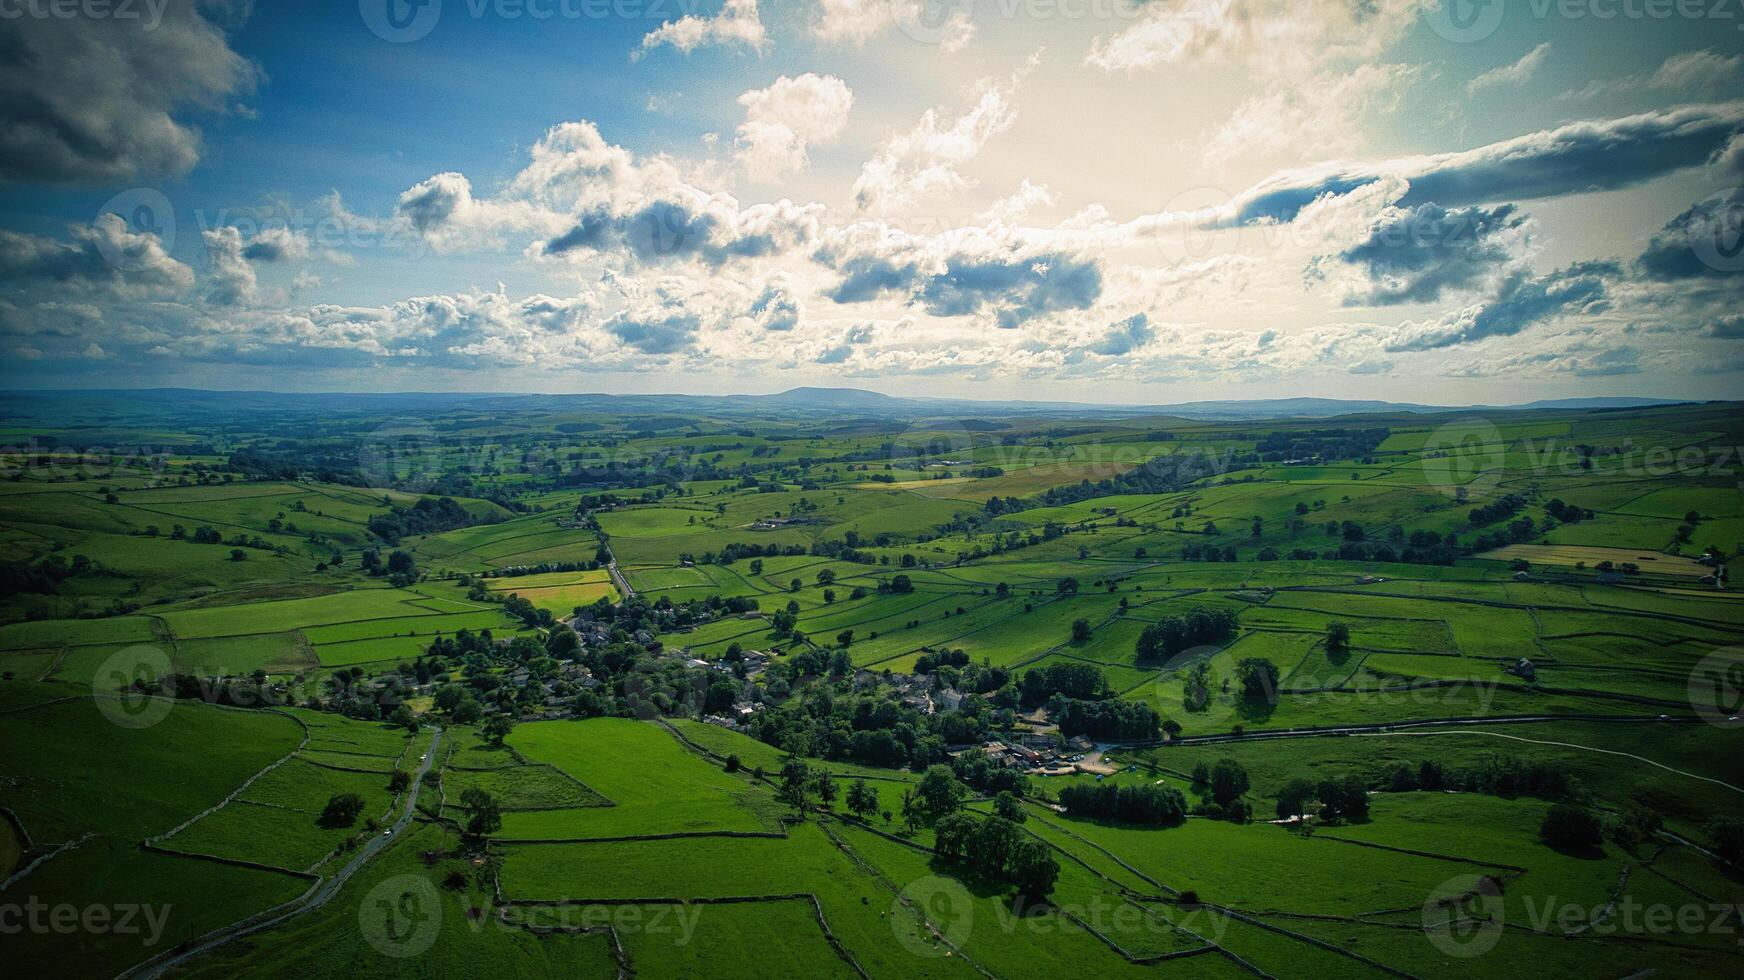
(310, 901)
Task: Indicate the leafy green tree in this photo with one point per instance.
(1294, 797)
(497, 728)
(484, 816)
(1337, 639)
(939, 793)
(862, 799)
(796, 783)
(342, 810)
(1006, 807)
(1228, 781)
(1569, 827)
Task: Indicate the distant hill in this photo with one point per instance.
(95, 407)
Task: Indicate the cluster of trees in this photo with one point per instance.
(1113, 719)
(43, 577)
(1341, 798)
(1220, 788)
(1326, 444)
(1502, 507)
(997, 849)
(1195, 627)
(1159, 474)
(400, 569)
(428, 516)
(1078, 681)
(1160, 806)
(1498, 775)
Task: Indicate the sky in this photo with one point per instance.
(1429, 201)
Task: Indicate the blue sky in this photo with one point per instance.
(1086, 199)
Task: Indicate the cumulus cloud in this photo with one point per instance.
(1703, 242)
(778, 307)
(967, 272)
(781, 121)
(102, 256)
(1274, 35)
(277, 243)
(97, 99)
(442, 211)
(858, 21)
(1125, 336)
(233, 279)
(1415, 255)
(1523, 301)
(925, 160)
(1511, 75)
(1019, 203)
(737, 25)
(1320, 115)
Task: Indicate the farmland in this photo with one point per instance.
(718, 693)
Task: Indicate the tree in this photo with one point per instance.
(845, 638)
(497, 728)
(1343, 798)
(826, 577)
(1066, 586)
(1568, 827)
(1337, 639)
(399, 781)
(756, 566)
(1031, 866)
(911, 815)
(1228, 781)
(733, 763)
(402, 717)
(1080, 630)
(1293, 798)
(862, 799)
(1259, 679)
(466, 712)
(237, 554)
(1727, 833)
(825, 785)
(484, 816)
(796, 785)
(1006, 807)
(939, 793)
(342, 810)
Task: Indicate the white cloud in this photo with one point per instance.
(1516, 74)
(737, 25)
(781, 121)
(1281, 37)
(925, 160)
(859, 21)
(1321, 115)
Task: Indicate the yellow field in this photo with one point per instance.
(559, 592)
(1570, 555)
